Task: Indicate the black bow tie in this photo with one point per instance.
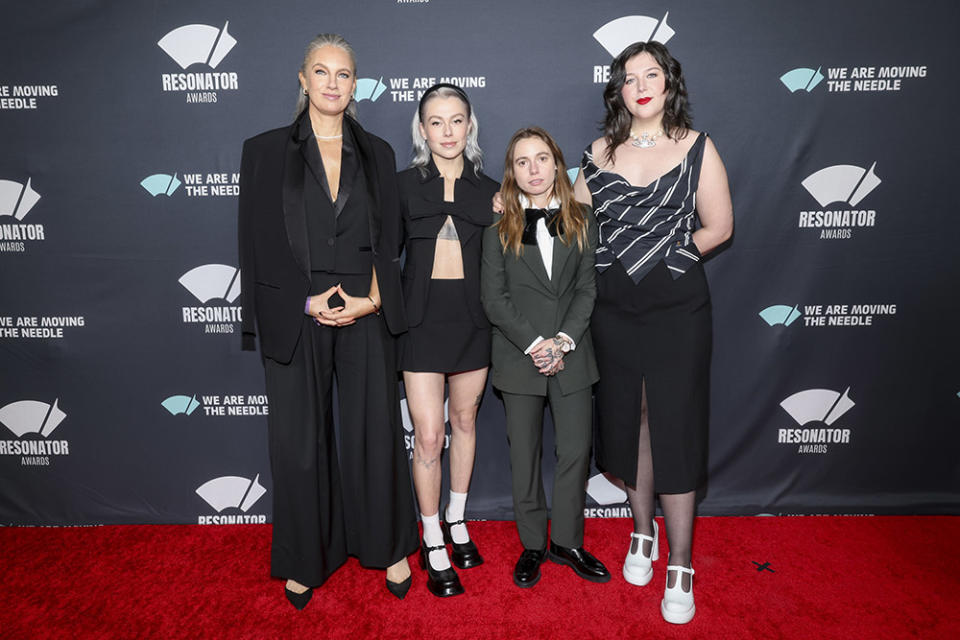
(530, 228)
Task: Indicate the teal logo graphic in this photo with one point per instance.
(617, 35)
(231, 491)
(802, 78)
(31, 416)
(198, 44)
(780, 314)
(160, 183)
(17, 199)
(178, 405)
(369, 89)
(573, 173)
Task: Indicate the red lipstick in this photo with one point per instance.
(644, 100)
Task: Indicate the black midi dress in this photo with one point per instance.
(651, 324)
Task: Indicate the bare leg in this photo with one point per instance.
(466, 391)
(641, 498)
(425, 402)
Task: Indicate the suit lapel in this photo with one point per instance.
(561, 256)
(532, 258)
(348, 174)
(294, 207)
(368, 162)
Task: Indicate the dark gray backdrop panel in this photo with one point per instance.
(112, 254)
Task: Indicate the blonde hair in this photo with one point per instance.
(322, 40)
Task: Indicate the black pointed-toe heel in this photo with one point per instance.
(444, 583)
(466, 555)
(400, 589)
(298, 600)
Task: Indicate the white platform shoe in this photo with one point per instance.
(638, 568)
(677, 605)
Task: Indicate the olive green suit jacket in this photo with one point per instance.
(522, 302)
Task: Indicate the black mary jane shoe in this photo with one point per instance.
(466, 555)
(443, 583)
(400, 589)
(298, 600)
(582, 563)
(527, 571)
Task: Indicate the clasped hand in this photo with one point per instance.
(353, 307)
(547, 356)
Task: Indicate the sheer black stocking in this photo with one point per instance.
(641, 498)
(678, 508)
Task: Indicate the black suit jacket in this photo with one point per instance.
(274, 251)
(424, 212)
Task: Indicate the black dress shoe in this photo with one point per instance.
(527, 572)
(298, 600)
(465, 555)
(400, 589)
(443, 583)
(583, 564)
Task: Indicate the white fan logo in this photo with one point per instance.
(17, 199)
(32, 416)
(617, 35)
(231, 491)
(198, 43)
(212, 281)
(841, 183)
(605, 492)
(821, 405)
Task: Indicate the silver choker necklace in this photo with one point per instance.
(645, 140)
(319, 137)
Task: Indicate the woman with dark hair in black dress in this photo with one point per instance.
(445, 200)
(659, 191)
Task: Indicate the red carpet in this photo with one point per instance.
(833, 577)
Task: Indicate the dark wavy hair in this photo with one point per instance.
(676, 113)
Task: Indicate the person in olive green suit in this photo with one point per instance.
(538, 290)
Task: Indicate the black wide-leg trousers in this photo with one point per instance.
(328, 505)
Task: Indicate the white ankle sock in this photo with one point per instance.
(455, 511)
(433, 537)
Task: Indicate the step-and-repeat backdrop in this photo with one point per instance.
(125, 398)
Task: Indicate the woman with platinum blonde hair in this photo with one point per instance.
(319, 231)
(445, 203)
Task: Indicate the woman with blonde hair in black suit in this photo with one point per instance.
(319, 227)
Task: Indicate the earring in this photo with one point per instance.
(305, 92)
